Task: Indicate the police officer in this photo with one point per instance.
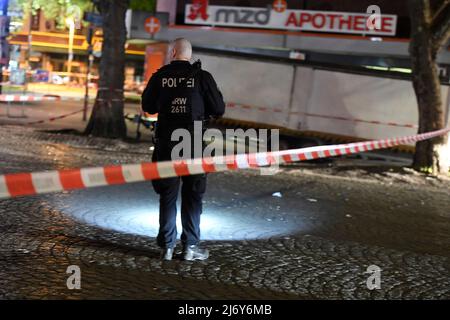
(180, 93)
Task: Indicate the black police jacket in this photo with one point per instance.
(183, 93)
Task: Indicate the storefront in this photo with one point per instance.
(50, 50)
(302, 15)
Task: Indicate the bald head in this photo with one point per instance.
(181, 49)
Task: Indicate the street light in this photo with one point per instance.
(71, 23)
(88, 70)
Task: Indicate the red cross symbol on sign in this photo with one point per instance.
(152, 25)
(279, 5)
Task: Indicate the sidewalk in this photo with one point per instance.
(36, 111)
(316, 240)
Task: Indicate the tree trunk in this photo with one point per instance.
(430, 154)
(107, 118)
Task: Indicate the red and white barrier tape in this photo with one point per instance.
(30, 98)
(25, 98)
(22, 184)
(392, 124)
(278, 110)
(11, 84)
(54, 118)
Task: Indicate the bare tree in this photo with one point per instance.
(107, 118)
(430, 31)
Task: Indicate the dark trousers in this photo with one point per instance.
(192, 190)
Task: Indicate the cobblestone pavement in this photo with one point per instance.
(315, 241)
